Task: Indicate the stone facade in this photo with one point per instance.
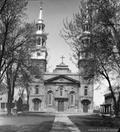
(60, 90)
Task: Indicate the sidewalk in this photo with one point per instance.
(63, 124)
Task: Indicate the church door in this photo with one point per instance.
(36, 106)
(60, 105)
(85, 108)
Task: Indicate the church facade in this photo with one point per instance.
(61, 90)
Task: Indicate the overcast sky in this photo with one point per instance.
(54, 12)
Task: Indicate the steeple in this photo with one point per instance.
(86, 57)
(86, 25)
(39, 54)
(41, 36)
(40, 19)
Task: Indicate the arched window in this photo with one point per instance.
(36, 89)
(38, 54)
(86, 91)
(39, 41)
(72, 98)
(61, 91)
(40, 27)
(50, 97)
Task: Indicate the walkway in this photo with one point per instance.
(63, 124)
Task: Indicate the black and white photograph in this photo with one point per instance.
(59, 65)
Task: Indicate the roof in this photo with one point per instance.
(62, 79)
(48, 75)
(62, 68)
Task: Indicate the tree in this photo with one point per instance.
(101, 42)
(19, 68)
(2, 5)
(11, 14)
(13, 37)
(108, 17)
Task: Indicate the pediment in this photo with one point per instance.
(62, 79)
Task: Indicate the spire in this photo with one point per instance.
(40, 24)
(41, 36)
(40, 50)
(86, 24)
(40, 19)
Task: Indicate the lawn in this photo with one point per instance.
(26, 123)
(93, 123)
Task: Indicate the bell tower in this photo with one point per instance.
(39, 53)
(86, 66)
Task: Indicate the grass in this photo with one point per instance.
(26, 124)
(43, 127)
(93, 123)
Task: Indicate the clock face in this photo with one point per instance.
(38, 53)
(41, 55)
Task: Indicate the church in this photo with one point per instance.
(61, 90)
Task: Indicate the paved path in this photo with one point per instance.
(63, 124)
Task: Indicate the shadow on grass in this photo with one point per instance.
(85, 123)
(43, 127)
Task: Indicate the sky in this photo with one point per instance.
(54, 12)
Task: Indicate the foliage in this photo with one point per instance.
(15, 41)
(102, 20)
(10, 31)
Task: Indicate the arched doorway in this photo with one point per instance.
(37, 104)
(60, 104)
(85, 103)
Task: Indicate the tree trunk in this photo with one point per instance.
(116, 111)
(117, 107)
(9, 104)
(10, 97)
(28, 99)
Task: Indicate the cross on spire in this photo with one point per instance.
(62, 57)
(41, 3)
(41, 11)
